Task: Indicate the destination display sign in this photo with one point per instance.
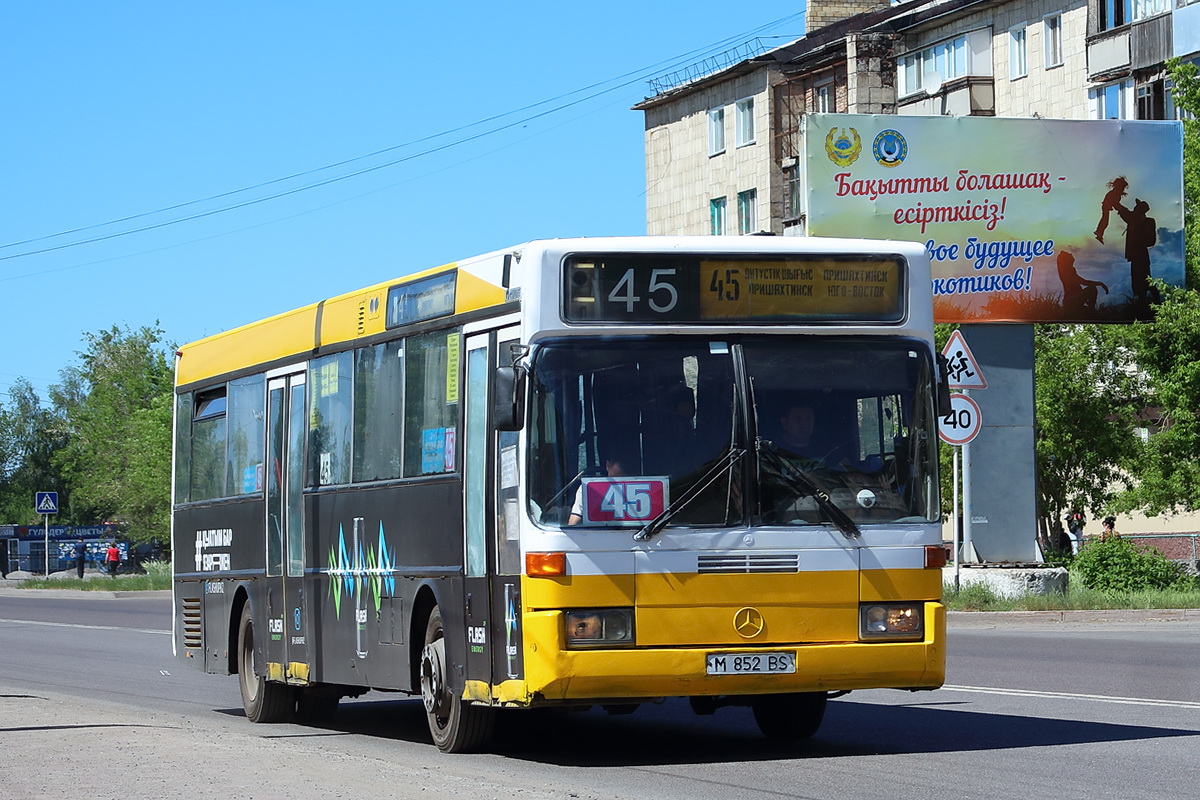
(709, 289)
(419, 300)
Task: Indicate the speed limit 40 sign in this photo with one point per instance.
(961, 425)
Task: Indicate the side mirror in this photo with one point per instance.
(943, 386)
(508, 398)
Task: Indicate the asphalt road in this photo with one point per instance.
(92, 703)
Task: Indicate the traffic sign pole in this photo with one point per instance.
(966, 473)
(46, 503)
(954, 521)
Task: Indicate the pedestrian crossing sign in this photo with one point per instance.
(46, 502)
(964, 372)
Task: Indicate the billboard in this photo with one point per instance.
(1025, 220)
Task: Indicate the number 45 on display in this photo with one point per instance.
(627, 501)
(663, 295)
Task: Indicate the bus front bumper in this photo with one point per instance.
(554, 674)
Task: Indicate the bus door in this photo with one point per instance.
(288, 608)
(490, 513)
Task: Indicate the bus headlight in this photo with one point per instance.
(890, 621)
(599, 627)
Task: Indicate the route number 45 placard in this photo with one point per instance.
(624, 501)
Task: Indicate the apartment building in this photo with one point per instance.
(722, 151)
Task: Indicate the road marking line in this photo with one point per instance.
(1099, 698)
(86, 627)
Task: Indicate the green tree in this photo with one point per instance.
(1086, 409)
(118, 454)
(30, 436)
(1167, 468)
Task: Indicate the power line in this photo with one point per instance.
(317, 184)
(284, 218)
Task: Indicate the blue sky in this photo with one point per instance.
(115, 110)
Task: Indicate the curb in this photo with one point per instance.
(82, 593)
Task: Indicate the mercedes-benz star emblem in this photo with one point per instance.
(748, 622)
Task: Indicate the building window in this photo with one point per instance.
(792, 188)
(1114, 13)
(949, 59)
(823, 98)
(748, 211)
(1016, 53)
(744, 122)
(1053, 40)
(1111, 101)
(1155, 100)
(1150, 8)
(716, 131)
(716, 214)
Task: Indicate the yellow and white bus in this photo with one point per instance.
(574, 472)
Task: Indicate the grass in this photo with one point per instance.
(157, 577)
(1076, 598)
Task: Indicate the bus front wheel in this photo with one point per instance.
(456, 725)
(263, 700)
(790, 717)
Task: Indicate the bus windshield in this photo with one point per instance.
(655, 418)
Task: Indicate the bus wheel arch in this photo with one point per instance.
(240, 600)
(423, 605)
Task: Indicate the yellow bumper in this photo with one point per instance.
(555, 674)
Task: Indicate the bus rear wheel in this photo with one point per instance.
(263, 700)
(790, 717)
(456, 725)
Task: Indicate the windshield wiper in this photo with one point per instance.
(725, 462)
(797, 479)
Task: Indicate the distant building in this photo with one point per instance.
(722, 152)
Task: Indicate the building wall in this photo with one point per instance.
(826, 12)
(1186, 29)
(871, 73)
(681, 176)
(1056, 92)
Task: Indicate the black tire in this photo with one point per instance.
(456, 725)
(790, 717)
(263, 700)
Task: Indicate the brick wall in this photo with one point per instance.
(827, 12)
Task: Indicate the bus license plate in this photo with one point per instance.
(751, 663)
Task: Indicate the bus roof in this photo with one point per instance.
(481, 283)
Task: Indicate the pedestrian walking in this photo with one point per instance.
(1110, 529)
(80, 557)
(113, 558)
